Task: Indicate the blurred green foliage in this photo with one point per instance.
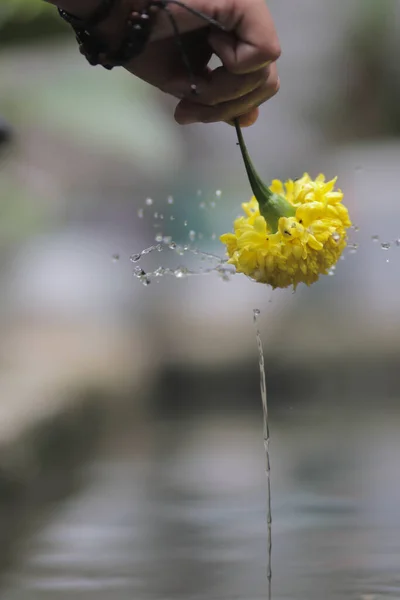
(22, 10)
(28, 20)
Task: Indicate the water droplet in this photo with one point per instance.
(214, 236)
(192, 235)
(135, 258)
(148, 201)
(141, 275)
(398, 242)
(256, 313)
(202, 205)
(115, 257)
(156, 215)
(336, 237)
(161, 216)
(353, 248)
(218, 193)
(159, 238)
(181, 272)
(170, 200)
(386, 245)
(172, 246)
(140, 213)
(172, 218)
(213, 204)
(387, 260)
(167, 239)
(375, 238)
(185, 223)
(356, 229)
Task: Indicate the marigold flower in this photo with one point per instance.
(292, 233)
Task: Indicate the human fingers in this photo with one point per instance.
(218, 86)
(188, 111)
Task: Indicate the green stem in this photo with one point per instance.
(272, 206)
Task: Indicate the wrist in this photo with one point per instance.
(113, 33)
(79, 8)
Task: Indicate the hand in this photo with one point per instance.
(248, 50)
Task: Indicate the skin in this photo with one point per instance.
(248, 51)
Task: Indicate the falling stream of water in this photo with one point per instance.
(264, 400)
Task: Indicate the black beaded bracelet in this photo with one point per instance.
(137, 32)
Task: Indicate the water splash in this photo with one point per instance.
(220, 266)
(264, 400)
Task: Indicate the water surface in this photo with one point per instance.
(182, 513)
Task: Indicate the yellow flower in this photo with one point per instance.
(298, 247)
(291, 233)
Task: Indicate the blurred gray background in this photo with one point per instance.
(131, 461)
